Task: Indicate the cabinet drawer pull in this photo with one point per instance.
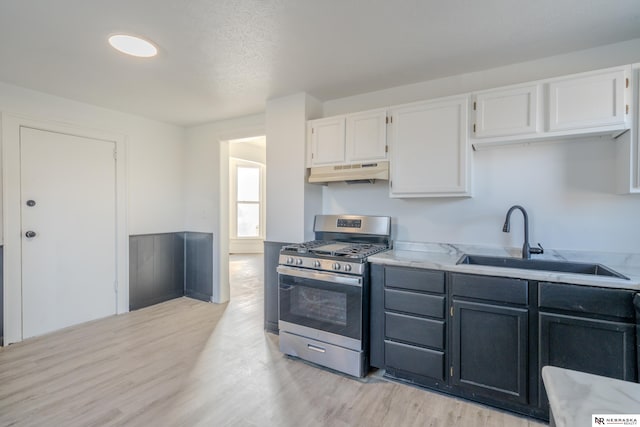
(316, 348)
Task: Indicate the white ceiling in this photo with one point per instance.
(225, 58)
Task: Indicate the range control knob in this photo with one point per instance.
(347, 267)
(316, 264)
(336, 266)
(299, 261)
(289, 260)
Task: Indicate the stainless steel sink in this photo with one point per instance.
(541, 265)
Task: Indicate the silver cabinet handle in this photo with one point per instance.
(316, 348)
(342, 279)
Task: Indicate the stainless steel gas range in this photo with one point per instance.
(324, 291)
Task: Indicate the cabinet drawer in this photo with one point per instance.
(410, 302)
(500, 289)
(414, 279)
(415, 330)
(421, 361)
(587, 299)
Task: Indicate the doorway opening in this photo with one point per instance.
(247, 216)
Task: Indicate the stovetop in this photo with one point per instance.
(333, 249)
(342, 245)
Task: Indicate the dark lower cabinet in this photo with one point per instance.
(599, 347)
(588, 345)
(415, 363)
(413, 323)
(489, 350)
(487, 338)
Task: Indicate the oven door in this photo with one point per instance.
(327, 306)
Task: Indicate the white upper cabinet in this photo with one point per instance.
(327, 141)
(502, 112)
(352, 138)
(589, 100)
(367, 136)
(593, 103)
(628, 144)
(429, 155)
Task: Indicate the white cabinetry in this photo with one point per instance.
(510, 111)
(367, 136)
(429, 155)
(327, 141)
(628, 144)
(588, 100)
(593, 103)
(352, 138)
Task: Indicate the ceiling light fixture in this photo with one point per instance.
(134, 46)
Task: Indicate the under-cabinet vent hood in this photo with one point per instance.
(358, 172)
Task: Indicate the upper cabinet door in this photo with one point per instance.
(589, 100)
(367, 136)
(503, 112)
(428, 152)
(327, 141)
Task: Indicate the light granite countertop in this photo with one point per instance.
(575, 397)
(444, 256)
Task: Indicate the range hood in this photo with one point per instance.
(353, 173)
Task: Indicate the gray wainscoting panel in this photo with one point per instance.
(1, 295)
(156, 268)
(198, 277)
(271, 253)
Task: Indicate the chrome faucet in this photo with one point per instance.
(526, 249)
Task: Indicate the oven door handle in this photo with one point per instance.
(341, 279)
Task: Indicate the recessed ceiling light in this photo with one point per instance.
(134, 46)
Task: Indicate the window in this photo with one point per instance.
(247, 192)
(248, 201)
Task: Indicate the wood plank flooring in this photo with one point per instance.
(190, 363)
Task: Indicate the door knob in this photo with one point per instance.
(30, 234)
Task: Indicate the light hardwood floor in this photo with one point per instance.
(190, 363)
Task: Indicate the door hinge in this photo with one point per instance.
(474, 105)
(390, 184)
(626, 84)
(627, 109)
(312, 155)
(451, 371)
(312, 130)
(474, 127)
(451, 311)
(115, 154)
(386, 148)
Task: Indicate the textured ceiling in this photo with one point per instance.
(225, 58)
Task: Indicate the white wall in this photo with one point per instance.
(248, 151)
(291, 202)
(154, 153)
(567, 187)
(206, 187)
(575, 62)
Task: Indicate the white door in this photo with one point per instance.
(68, 199)
(589, 100)
(429, 154)
(327, 141)
(507, 111)
(366, 136)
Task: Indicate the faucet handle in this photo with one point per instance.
(539, 250)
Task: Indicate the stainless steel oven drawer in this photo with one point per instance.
(332, 356)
